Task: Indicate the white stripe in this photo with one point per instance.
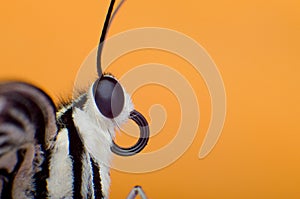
(105, 180)
(60, 179)
(87, 181)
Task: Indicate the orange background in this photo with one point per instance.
(255, 45)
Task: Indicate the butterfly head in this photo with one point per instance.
(111, 99)
(114, 104)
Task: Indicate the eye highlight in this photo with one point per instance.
(109, 96)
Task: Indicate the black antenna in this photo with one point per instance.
(108, 20)
(102, 38)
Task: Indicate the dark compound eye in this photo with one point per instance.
(109, 96)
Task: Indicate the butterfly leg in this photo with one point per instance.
(137, 190)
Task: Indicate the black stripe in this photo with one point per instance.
(76, 151)
(96, 180)
(6, 144)
(40, 178)
(8, 119)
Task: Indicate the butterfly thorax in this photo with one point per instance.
(81, 156)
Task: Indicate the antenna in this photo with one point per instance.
(108, 20)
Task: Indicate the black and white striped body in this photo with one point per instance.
(70, 159)
(83, 143)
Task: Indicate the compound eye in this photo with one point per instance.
(109, 96)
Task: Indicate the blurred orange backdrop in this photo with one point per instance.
(255, 45)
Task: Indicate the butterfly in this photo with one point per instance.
(65, 152)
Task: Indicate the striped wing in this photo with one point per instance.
(27, 129)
